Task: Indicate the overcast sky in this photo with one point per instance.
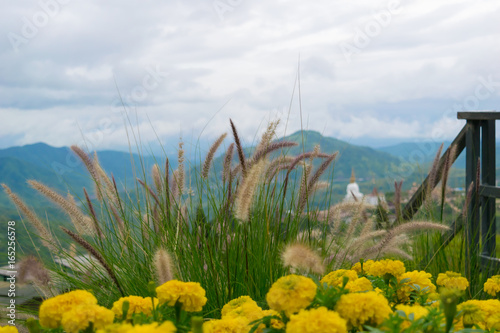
(371, 72)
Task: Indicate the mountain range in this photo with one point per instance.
(60, 169)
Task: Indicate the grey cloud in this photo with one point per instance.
(424, 62)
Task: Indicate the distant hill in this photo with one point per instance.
(373, 168)
(62, 170)
(423, 152)
(367, 162)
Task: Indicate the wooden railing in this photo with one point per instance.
(477, 137)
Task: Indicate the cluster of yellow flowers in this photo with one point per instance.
(386, 267)
(492, 285)
(190, 294)
(291, 293)
(452, 280)
(372, 293)
(137, 304)
(74, 311)
(237, 316)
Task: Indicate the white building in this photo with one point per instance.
(352, 192)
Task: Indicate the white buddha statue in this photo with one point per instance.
(353, 193)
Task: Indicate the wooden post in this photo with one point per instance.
(488, 177)
(472, 223)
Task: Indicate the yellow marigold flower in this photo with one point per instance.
(291, 293)
(275, 323)
(52, 310)
(319, 320)
(243, 307)
(80, 317)
(116, 328)
(226, 325)
(418, 311)
(360, 284)
(190, 294)
(8, 329)
(488, 316)
(335, 278)
(236, 303)
(137, 304)
(165, 327)
(417, 278)
(387, 266)
(452, 280)
(359, 309)
(247, 310)
(492, 285)
(366, 265)
(470, 314)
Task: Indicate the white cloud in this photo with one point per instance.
(425, 58)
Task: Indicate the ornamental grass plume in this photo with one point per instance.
(157, 178)
(190, 295)
(239, 149)
(45, 236)
(452, 280)
(276, 165)
(245, 194)
(210, 155)
(385, 244)
(296, 161)
(310, 181)
(86, 245)
(81, 223)
(94, 219)
(228, 157)
(492, 286)
(369, 308)
(319, 320)
(32, 270)
(164, 266)
(109, 187)
(301, 258)
(291, 293)
(180, 175)
(87, 161)
(267, 136)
